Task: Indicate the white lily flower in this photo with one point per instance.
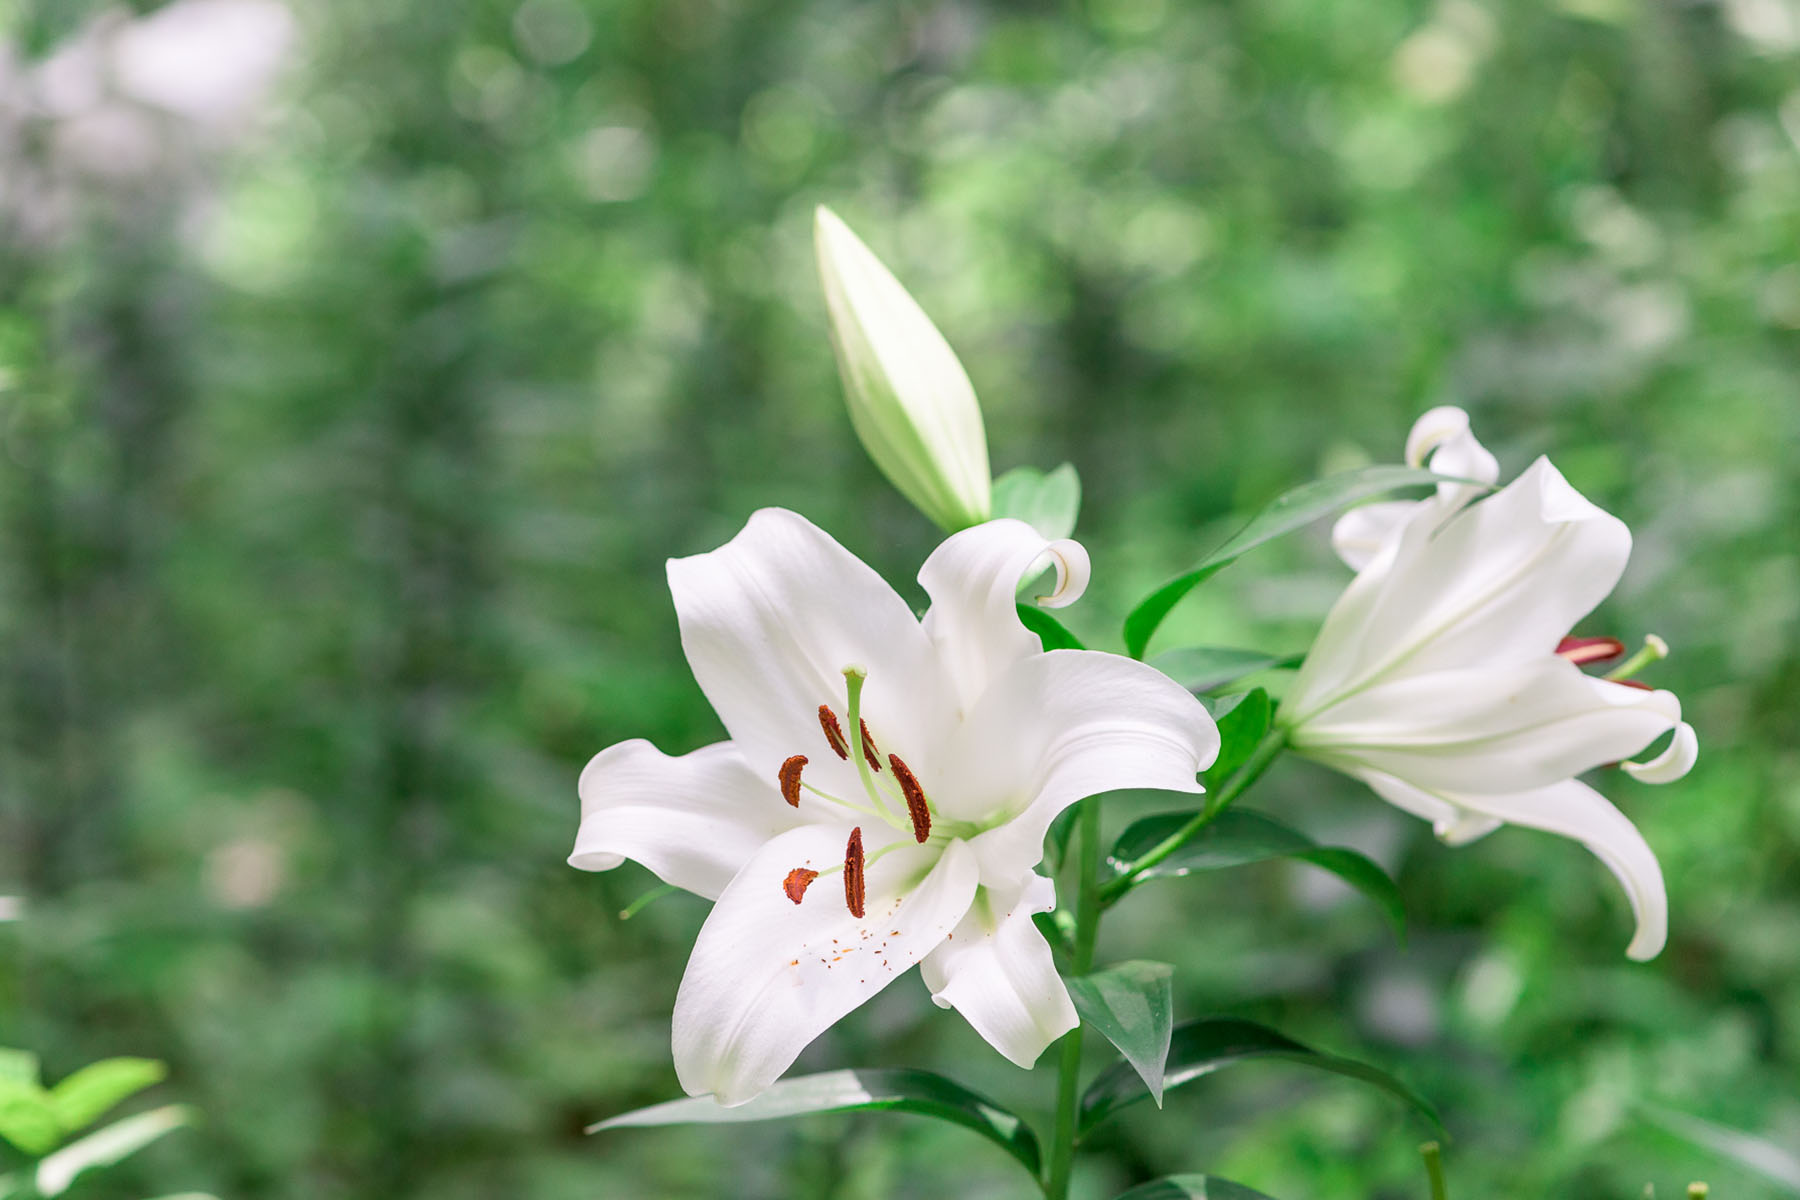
(910, 401)
(1444, 679)
(885, 794)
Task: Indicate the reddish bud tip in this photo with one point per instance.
(855, 889)
(834, 733)
(796, 883)
(916, 807)
(1584, 650)
(790, 779)
(868, 746)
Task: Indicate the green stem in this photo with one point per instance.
(1265, 753)
(1433, 1155)
(1087, 932)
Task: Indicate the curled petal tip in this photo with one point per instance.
(1433, 428)
(1673, 763)
(1073, 569)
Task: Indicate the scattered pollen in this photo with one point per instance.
(834, 733)
(916, 807)
(870, 753)
(790, 779)
(796, 883)
(855, 889)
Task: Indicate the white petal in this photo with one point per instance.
(1575, 810)
(1361, 533)
(1501, 581)
(693, 820)
(770, 620)
(1674, 762)
(767, 976)
(909, 398)
(1443, 437)
(1058, 727)
(998, 972)
(1453, 826)
(973, 580)
(1491, 729)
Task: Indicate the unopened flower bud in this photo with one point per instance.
(910, 401)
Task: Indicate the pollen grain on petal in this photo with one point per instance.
(916, 806)
(834, 733)
(790, 779)
(855, 887)
(1584, 650)
(868, 747)
(796, 883)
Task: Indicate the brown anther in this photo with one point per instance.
(834, 733)
(1584, 650)
(796, 883)
(869, 750)
(916, 807)
(855, 889)
(790, 779)
(1634, 683)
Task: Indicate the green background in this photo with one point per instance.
(337, 470)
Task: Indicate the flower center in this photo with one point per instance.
(1584, 650)
(899, 791)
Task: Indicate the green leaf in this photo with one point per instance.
(27, 1119)
(1191, 1187)
(107, 1145)
(895, 1089)
(1205, 668)
(1198, 1048)
(1242, 725)
(1240, 836)
(82, 1098)
(1051, 632)
(20, 1066)
(1132, 1005)
(1048, 502)
(1300, 507)
(1056, 841)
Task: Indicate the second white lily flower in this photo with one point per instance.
(886, 791)
(1443, 677)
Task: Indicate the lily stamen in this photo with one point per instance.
(789, 776)
(916, 806)
(868, 747)
(855, 885)
(834, 733)
(1584, 650)
(796, 883)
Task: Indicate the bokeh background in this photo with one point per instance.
(362, 361)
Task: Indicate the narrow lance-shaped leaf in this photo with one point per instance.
(1291, 511)
(1198, 1048)
(19, 1066)
(1767, 1158)
(1049, 502)
(1242, 722)
(84, 1097)
(1132, 1004)
(1050, 631)
(1207, 668)
(894, 1089)
(1237, 837)
(106, 1146)
(27, 1119)
(1191, 1187)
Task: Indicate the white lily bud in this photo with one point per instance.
(910, 401)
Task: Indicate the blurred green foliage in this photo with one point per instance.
(341, 457)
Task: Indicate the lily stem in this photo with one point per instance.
(1433, 1155)
(1265, 753)
(1087, 931)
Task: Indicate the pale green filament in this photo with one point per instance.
(1654, 650)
